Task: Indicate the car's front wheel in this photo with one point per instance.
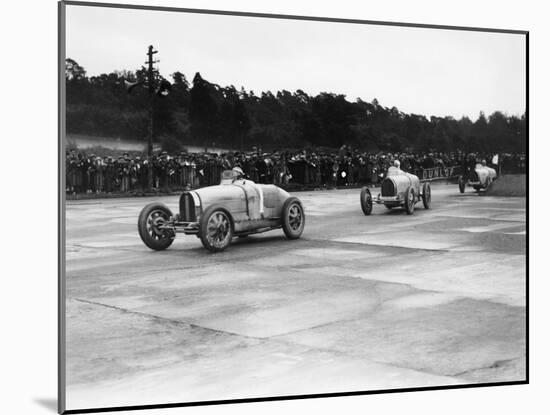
(409, 201)
(426, 195)
(294, 218)
(150, 222)
(215, 229)
(366, 201)
(461, 184)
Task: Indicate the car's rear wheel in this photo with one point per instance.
(294, 218)
(366, 201)
(150, 222)
(461, 184)
(409, 201)
(426, 195)
(215, 229)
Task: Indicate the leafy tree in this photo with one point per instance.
(73, 71)
(205, 113)
(202, 111)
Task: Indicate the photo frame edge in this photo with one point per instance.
(62, 4)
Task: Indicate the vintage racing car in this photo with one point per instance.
(399, 188)
(216, 214)
(479, 177)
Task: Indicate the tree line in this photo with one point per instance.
(206, 114)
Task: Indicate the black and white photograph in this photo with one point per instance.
(263, 206)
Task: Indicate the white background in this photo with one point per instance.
(28, 364)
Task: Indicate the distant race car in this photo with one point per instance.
(216, 214)
(398, 189)
(479, 177)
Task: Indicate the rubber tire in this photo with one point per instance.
(287, 229)
(365, 197)
(409, 203)
(461, 184)
(426, 195)
(148, 240)
(203, 222)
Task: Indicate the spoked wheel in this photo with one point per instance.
(461, 184)
(216, 229)
(366, 201)
(294, 218)
(426, 195)
(409, 201)
(150, 222)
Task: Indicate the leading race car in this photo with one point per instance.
(479, 177)
(399, 188)
(237, 207)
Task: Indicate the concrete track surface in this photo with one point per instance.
(358, 304)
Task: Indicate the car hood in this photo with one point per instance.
(485, 172)
(232, 192)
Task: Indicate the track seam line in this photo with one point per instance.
(155, 317)
(495, 365)
(192, 325)
(481, 218)
(274, 339)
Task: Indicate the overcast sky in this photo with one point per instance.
(422, 71)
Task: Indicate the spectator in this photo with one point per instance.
(345, 167)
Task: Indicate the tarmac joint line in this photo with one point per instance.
(163, 319)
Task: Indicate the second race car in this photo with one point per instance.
(398, 189)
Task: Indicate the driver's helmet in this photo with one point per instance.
(238, 173)
(396, 164)
(483, 162)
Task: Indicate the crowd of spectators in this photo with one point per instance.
(88, 173)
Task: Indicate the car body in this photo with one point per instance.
(218, 213)
(479, 177)
(398, 188)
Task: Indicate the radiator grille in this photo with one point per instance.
(388, 188)
(473, 176)
(187, 208)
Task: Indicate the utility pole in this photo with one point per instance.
(151, 87)
(160, 87)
